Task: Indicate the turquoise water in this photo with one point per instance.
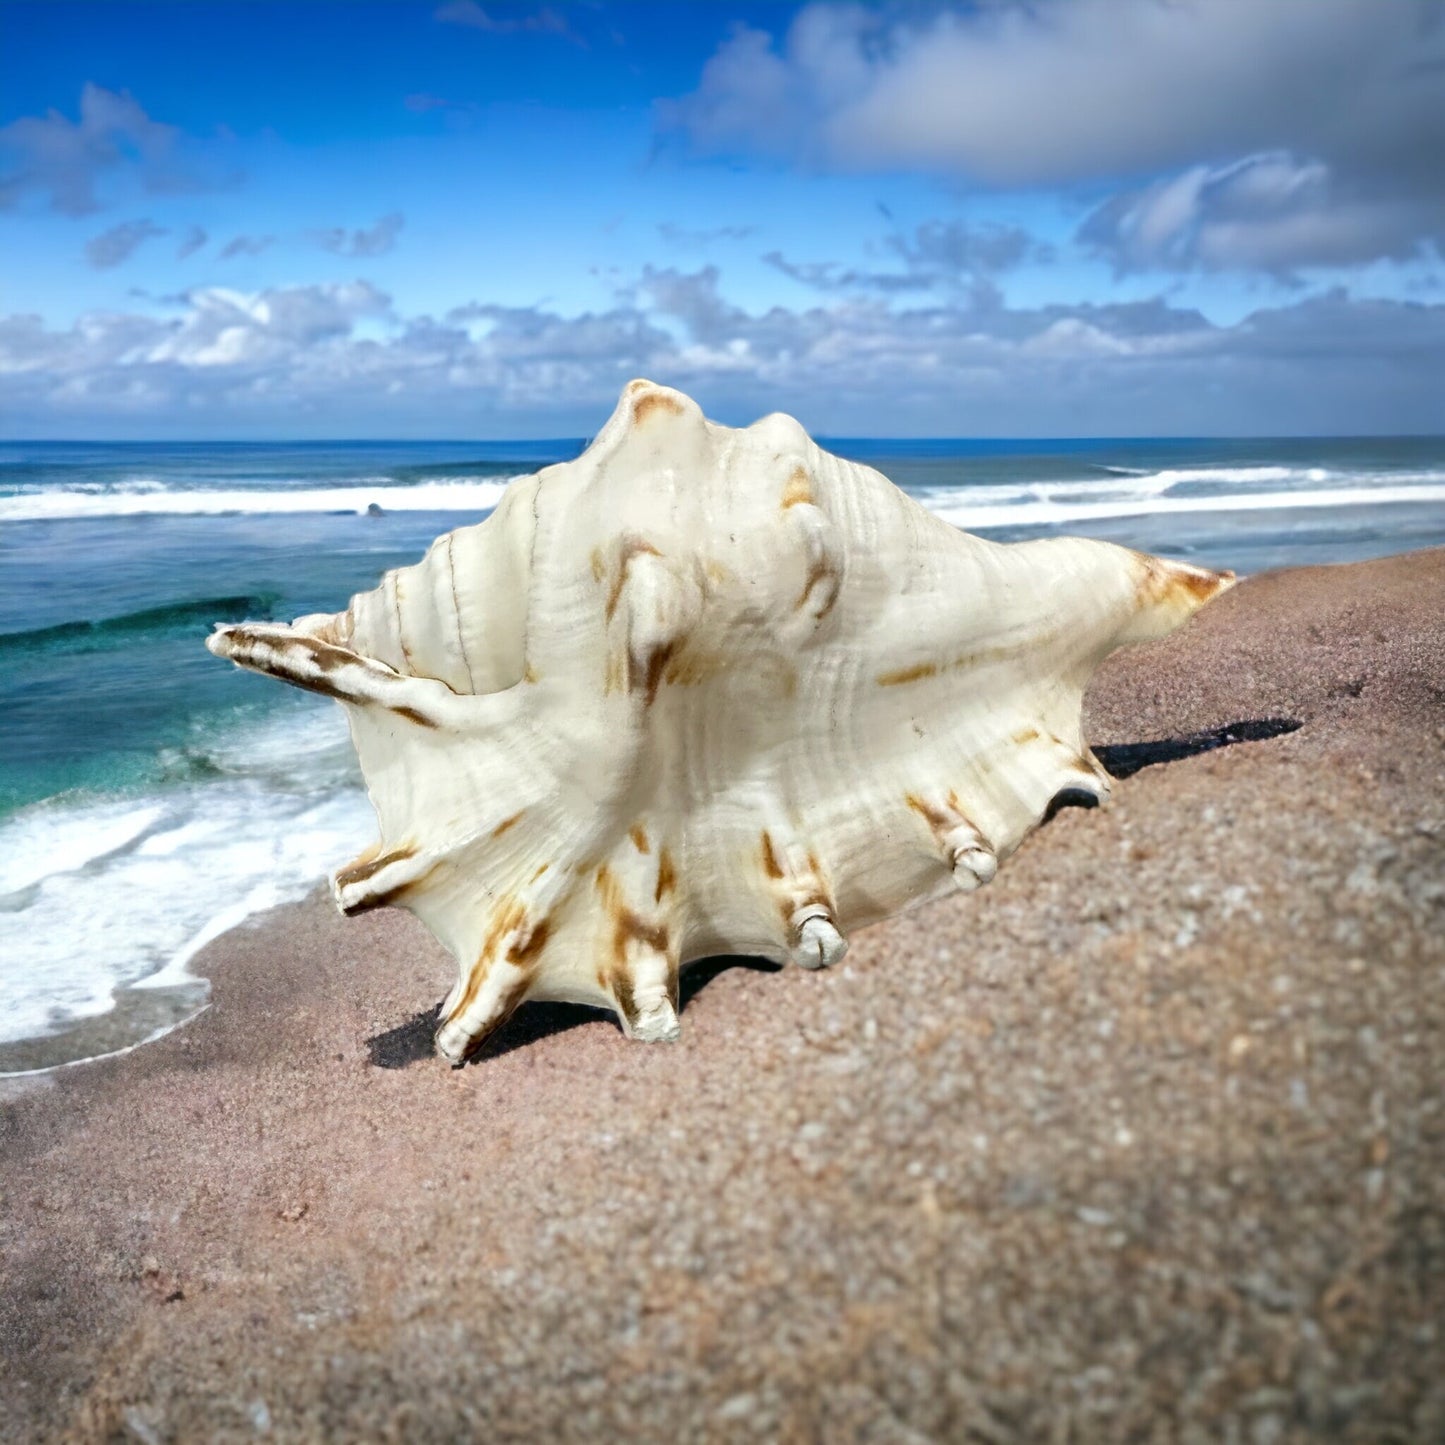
(150, 796)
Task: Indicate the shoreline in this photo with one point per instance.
(1146, 1138)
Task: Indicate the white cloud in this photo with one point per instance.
(338, 358)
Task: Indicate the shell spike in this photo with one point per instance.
(968, 854)
(309, 663)
(643, 983)
(488, 1000)
(1169, 593)
(801, 893)
(375, 880)
(650, 1014)
(816, 941)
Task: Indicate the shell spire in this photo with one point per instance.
(705, 690)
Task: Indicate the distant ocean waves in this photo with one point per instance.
(1113, 491)
(151, 498)
(1176, 492)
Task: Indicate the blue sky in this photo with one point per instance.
(1067, 217)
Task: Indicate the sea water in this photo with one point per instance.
(152, 797)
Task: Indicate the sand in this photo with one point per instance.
(1145, 1142)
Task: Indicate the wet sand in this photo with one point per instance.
(1146, 1141)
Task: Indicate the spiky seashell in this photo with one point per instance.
(705, 691)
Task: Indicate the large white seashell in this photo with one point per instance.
(705, 691)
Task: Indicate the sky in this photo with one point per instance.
(1008, 218)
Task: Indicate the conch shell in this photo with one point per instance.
(705, 691)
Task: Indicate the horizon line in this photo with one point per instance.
(819, 437)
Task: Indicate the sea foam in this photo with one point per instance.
(100, 895)
(460, 494)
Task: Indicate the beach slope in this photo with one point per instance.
(1144, 1141)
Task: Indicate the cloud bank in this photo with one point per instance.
(310, 359)
(1273, 136)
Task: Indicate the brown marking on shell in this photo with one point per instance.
(936, 818)
(323, 687)
(530, 673)
(627, 923)
(815, 897)
(540, 871)
(1196, 586)
(527, 948)
(618, 982)
(386, 896)
(365, 856)
(509, 915)
(692, 666)
(412, 715)
(508, 823)
(633, 547)
(650, 672)
(771, 866)
(822, 571)
(638, 834)
(915, 673)
(666, 874)
(368, 867)
(599, 565)
(1025, 735)
(324, 655)
(799, 491)
(716, 571)
(652, 402)
(630, 926)
(608, 888)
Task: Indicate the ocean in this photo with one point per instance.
(152, 797)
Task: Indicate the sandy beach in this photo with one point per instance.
(1146, 1141)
